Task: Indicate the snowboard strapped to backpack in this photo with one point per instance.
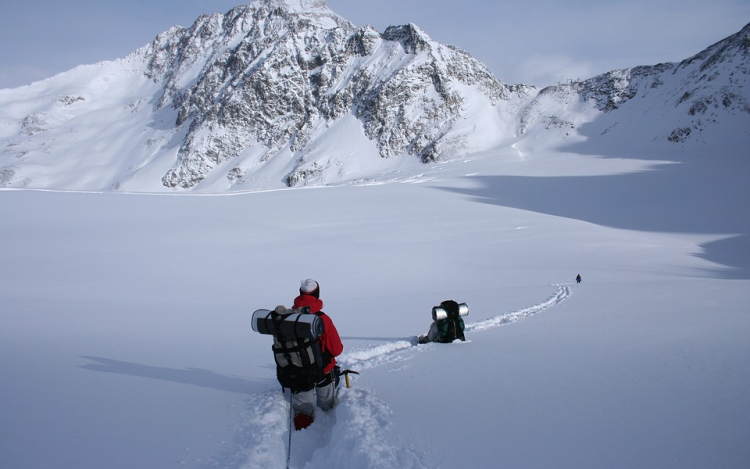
(450, 325)
(296, 350)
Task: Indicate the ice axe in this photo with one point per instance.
(346, 374)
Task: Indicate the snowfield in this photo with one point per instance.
(125, 335)
(126, 302)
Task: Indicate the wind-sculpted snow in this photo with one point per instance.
(357, 433)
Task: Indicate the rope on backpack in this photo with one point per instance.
(291, 421)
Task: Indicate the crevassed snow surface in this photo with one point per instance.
(125, 336)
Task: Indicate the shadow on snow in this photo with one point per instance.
(691, 198)
(193, 376)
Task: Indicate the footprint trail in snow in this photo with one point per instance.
(357, 434)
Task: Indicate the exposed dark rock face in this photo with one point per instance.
(267, 74)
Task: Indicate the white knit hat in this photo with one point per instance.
(308, 286)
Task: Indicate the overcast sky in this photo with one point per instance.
(536, 42)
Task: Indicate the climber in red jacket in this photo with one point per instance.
(330, 346)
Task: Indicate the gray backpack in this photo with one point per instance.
(296, 350)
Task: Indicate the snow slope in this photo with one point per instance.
(125, 337)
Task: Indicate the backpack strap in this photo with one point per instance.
(277, 319)
(450, 334)
(324, 357)
(459, 330)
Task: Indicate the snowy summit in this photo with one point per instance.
(288, 93)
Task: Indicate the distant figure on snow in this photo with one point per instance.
(578, 278)
(447, 323)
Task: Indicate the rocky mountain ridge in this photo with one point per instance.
(292, 71)
(246, 99)
(705, 90)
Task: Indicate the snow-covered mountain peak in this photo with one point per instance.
(286, 92)
(273, 85)
(302, 6)
(702, 101)
(411, 37)
(735, 47)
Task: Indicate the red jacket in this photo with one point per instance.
(330, 341)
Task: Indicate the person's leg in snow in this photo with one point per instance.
(431, 335)
(325, 395)
(326, 392)
(302, 405)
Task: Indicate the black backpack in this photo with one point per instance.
(450, 325)
(296, 350)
